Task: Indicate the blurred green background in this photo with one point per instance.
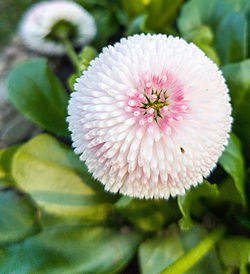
(10, 14)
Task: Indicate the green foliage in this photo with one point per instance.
(137, 25)
(6, 156)
(86, 55)
(64, 188)
(159, 252)
(19, 216)
(134, 8)
(233, 163)
(238, 80)
(192, 200)
(227, 22)
(192, 256)
(231, 42)
(196, 13)
(71, 80)
(150, 215)
(162, 14)
(9, 23)
(107, 26)
(228, 193)
(71, 250)
(234, 252)
(141, 15)
(39, 95)
(156, 253)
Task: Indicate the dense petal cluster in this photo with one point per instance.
(38, 23)
(150, 116)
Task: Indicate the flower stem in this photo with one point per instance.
(196, 253)
(71, 54)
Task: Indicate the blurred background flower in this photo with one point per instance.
(47, 26)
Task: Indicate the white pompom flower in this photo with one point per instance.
(43, 21)
(150, 116)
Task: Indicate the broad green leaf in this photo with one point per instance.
(238, 80)
(234, 251)
(56, 179)
(71, 250)
(6, 156)
(196, 13)
(233, 163)
(190, 201)
(148, 215)
(157, 253)
(39, 95)
(227, 21)
(18, 216)
(231, 42)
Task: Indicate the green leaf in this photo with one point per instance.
(148, 215)
(133, 8)
(6, 156)
(151, 15)
(60, 184)
(162, 14)
(194, 255)
(203, 37)
(201, 34)
(190, 201)
(233, 163)
(71, 81)
(138, 25)
(39, 95)
(238, 80)
(231, 42)
(210, 52)
(18, 216)
(107, 26)
(86, 55)
(195, 13)
(157, 253)
(228, 193)
(227, 21)
(234, 251)
(71, 250)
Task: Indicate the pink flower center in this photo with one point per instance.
(159, 99)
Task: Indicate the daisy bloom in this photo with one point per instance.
(150, 116)
(44, 23)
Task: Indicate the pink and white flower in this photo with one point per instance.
(150, 116)
(38, 23)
